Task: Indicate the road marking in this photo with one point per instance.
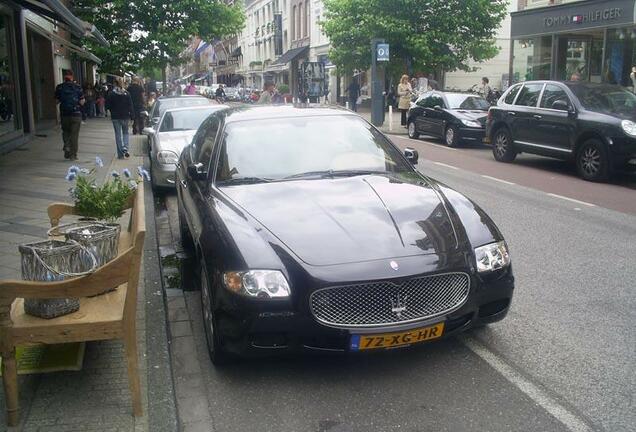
(570, 420)
(446, 165)
(498, 180)
(438, 146)
(572, 200)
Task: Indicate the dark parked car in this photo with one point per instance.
(314, 232)
(454, 117)
(590, 124)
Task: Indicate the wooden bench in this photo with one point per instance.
(102, 317)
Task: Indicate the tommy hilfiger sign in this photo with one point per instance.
(608, 14)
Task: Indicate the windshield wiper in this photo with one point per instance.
(334, 173)
(244, 180)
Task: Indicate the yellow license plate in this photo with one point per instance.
(393, 340)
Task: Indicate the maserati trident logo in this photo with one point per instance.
(394, 265)
(398, 305)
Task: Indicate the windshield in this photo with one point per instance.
(467, 102)
(184, 119)
(166, 104)
(275, 149)
(607, 99)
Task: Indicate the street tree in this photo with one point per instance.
(424, 35)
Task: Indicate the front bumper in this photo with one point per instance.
(623, 154)
(472, 134)
(163, 175)
(251, 328)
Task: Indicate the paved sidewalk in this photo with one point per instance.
(97, 398)
(387, 128)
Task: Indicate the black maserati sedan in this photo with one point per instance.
(454, 117)
(313, 232)
(590, 124)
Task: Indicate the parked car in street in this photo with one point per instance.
(232, 94)
(315, 233)
(454, 117)
(174, 131)
(592, 125)
(164, 103)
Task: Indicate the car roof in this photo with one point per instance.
(180, 97)
(264, 112)
(197, 107)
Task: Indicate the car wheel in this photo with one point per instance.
(186, 238)
(591, 161)
(451, 136)
(215, 347)
(502, 148)
(413, 130)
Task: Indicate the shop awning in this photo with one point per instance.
(80, 51)
(56, 10)
(290, 55)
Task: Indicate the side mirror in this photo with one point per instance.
(560, 105)
(144, 114)
(196, 172)
(411, 155)
(148, 131)
(155, 121)
(437, 108)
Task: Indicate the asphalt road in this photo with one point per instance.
(563, 360)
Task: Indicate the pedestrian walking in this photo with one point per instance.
(120, 105)
(353, 93)
(220, 94)
(151, 101)
(404, 91)
(485, 90)
(191, 89)
(266, 96)
(136, 91)
(91, 98)
(632, 76)
(71, 98)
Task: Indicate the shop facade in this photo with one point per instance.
(591, 40)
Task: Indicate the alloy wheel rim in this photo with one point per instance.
(591, 161)
(450, 136)
(501, 143)
(411, 129)
(207, 312)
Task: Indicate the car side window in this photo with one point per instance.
(437, 100)
(423, 102)
(552, 94)
(510, 97)
(529, 95)
(208, 139)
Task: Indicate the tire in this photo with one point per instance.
(502, 148)
(214, 342)
(186, 237)
(592, 162)
(412, 130)
(451, 136)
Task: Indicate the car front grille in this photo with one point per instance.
(374, 304)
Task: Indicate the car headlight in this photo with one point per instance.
(629, 127)
(471, 123)
(257, 283)
(167, 157)
(493, 256)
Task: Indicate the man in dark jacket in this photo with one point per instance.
(136, 91)
(70, 97)
(120, 105)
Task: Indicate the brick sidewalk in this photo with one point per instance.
(97, 398)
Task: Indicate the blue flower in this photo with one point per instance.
(99, 162)
(114, 174)
(70, 176)
(85, 170)
(145, 174)
(126, 172)
(140, 171)
(74, 169)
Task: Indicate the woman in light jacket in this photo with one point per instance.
(404, 92)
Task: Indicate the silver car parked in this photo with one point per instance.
(173, 132)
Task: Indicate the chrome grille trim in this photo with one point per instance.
(369, 304)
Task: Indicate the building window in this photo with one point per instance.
(532, 59)
(9, 120)
(293, 23)
(301, 21)
(307, 14)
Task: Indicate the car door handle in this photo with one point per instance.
(184, 183)
(512, 113)
(537, 117)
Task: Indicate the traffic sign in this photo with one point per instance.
(382, 52)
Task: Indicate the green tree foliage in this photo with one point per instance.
(425, 35)
(152, 33)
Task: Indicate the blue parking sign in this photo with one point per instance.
(382, 52)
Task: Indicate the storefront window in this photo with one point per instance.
(532, 59)
(8, 118)
(620, 56)
(580, 56)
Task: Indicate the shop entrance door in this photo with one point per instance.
(579, 56)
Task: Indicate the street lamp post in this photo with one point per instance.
(377, 86)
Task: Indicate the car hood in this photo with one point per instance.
(354, 219)
(474, 115)
(175, 141)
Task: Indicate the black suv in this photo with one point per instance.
(590, 124)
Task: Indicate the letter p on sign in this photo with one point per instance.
(382, 52)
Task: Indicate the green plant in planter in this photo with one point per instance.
(283, 89)
(106, 201)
